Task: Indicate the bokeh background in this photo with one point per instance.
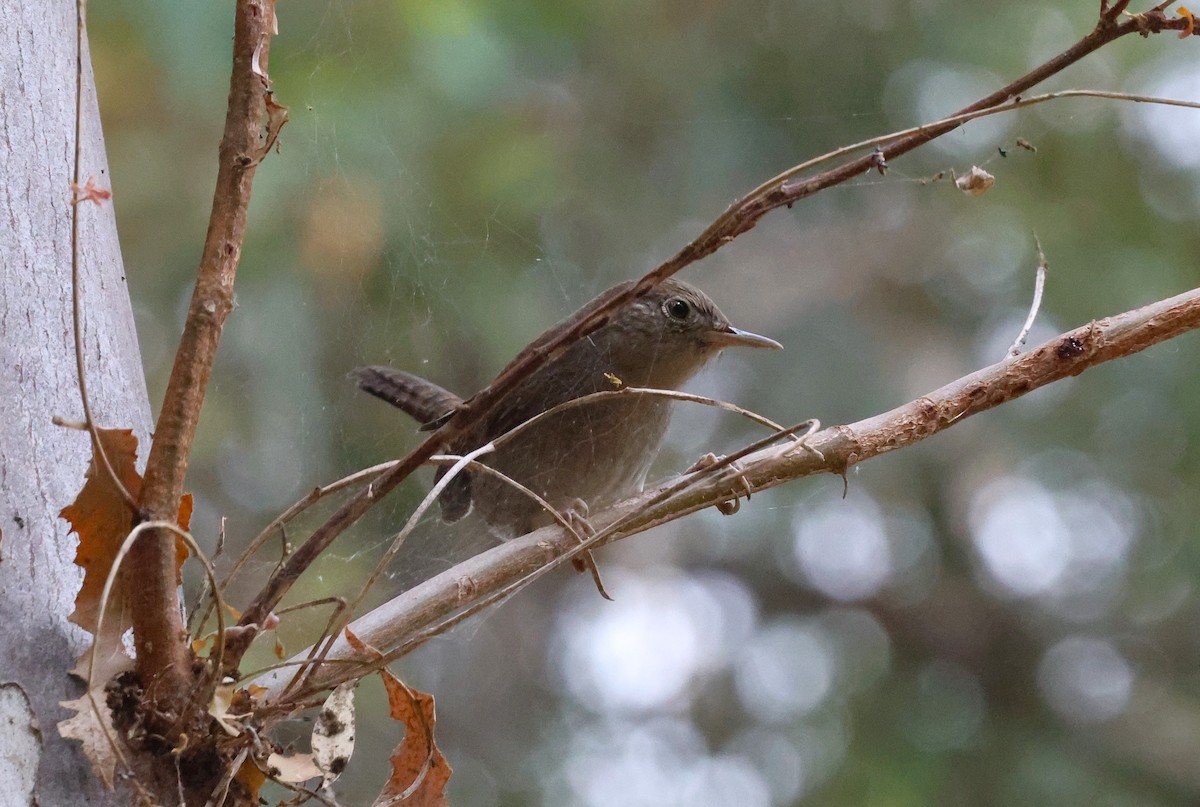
(1004, 614)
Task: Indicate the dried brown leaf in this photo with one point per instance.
(419, 771)
(277, 116)
(250, 778)
(102, 520)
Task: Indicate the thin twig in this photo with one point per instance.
(222, 789)
(603, 535)
(458, 464)
(202, 595)
(296, 662)
(319, 493)
(637, 392)
(1039, 285)
(397, 542)
(76, 294)
(298, 507)
(469, 460)
(317, 651)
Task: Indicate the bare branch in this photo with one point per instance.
(1039, 285)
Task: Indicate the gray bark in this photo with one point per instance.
(42, 466)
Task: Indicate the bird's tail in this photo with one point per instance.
(425, 401)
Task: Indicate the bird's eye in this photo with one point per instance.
(677, 308)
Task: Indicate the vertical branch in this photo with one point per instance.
(163, 657)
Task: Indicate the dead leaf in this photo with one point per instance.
(200, 645)
(292, 769)
(102, 520)
(333, 734)
(87, 729)
(419, 771)
(975, 182)
(219, 708)
(277, 116)
(358, 645)
(90, 192)
(251, 778)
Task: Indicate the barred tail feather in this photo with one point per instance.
(423, 400)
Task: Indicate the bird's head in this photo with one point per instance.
(665, 337)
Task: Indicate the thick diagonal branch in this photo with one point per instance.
(408, 620)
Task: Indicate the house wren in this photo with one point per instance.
(597, 452)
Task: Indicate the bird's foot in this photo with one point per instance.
(729, 506)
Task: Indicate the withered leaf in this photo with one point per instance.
(102, 520)
(419, 771)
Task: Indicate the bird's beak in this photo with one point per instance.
(736, 337)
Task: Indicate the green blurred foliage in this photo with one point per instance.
(1005, 614)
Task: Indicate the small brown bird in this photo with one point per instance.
(597, 452)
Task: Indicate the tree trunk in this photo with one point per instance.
(41, 465)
